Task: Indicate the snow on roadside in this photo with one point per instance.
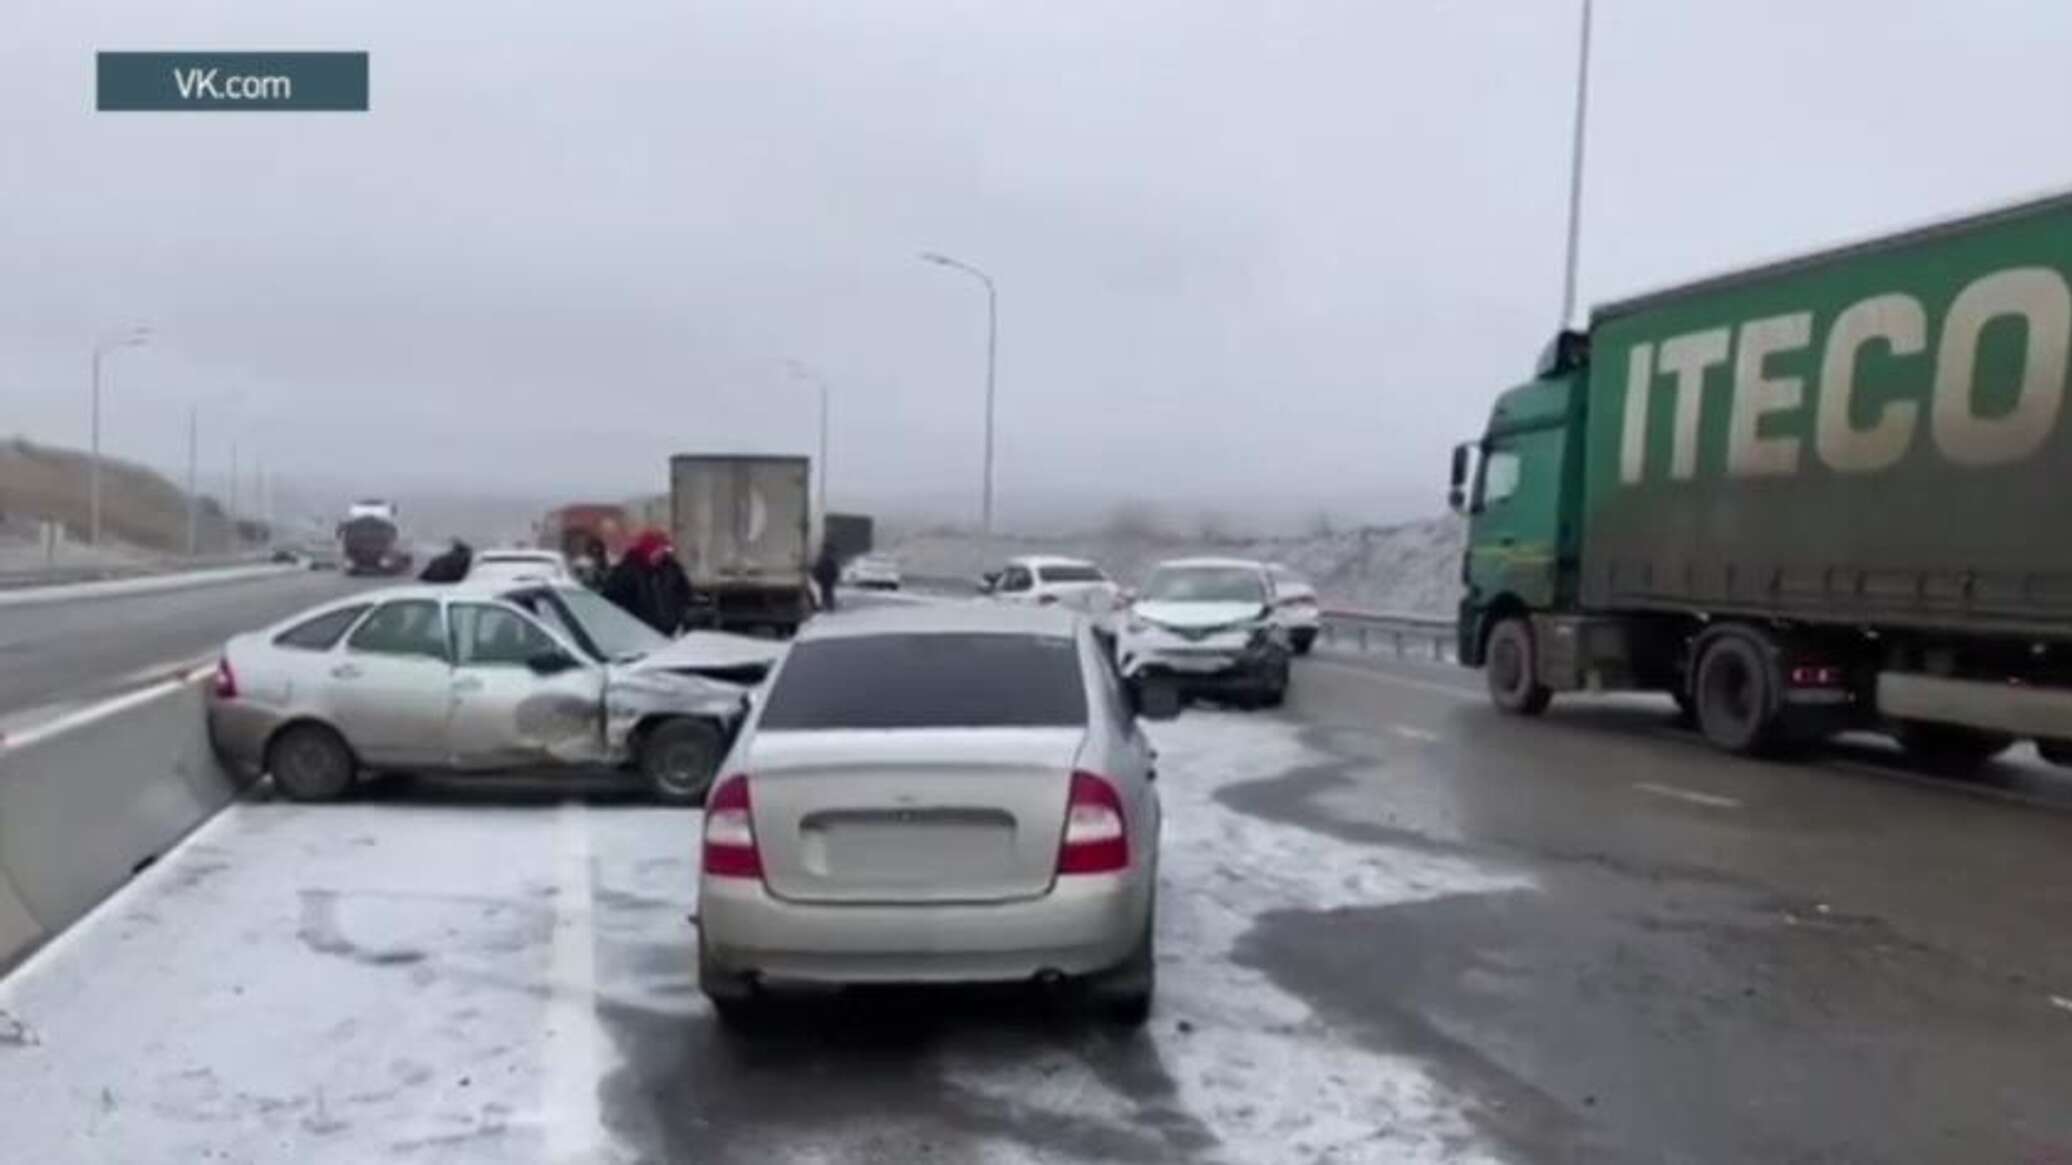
(1258, 1068)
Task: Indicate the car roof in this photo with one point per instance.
(1221, 563)
(948, 618)
(1039, 561)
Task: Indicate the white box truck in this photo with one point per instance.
(742, 524)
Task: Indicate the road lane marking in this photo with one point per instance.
(1392, 678)
(1418, 734)
(57, 725)
(573, 1046)
(1710, 800)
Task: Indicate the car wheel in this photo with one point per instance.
(310, 762)
(1123, 994)
(678, 758)
(1304, 639)
(1276, 691)
(1512, 671)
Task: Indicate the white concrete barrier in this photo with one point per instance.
(90, 798)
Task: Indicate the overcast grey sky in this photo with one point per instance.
(1253, 256)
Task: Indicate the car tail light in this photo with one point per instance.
(1096, 837)
(730, 850)
(226, 680)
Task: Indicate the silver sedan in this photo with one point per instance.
(465, 679)
(930, 794)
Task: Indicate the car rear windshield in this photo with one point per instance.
(1071, 574)
(1205, 584)
(929, 681)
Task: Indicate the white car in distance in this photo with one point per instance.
(1073, 584)
(872, 572)
(1295, 607)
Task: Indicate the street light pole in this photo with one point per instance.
(801, 371)
(1575, 172)
(134, 338)
(992, 349)
(193, 500)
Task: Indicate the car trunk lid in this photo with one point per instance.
(911, 815)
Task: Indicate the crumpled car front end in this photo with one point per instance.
(637, 695)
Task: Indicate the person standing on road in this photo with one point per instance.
(827, 571)
(650, 583)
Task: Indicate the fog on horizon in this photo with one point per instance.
(1255, 260)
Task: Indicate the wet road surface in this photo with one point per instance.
(1394, 926)
(69, 651)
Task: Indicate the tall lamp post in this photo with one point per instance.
(992, 346)
(1575, 172)
(804, 373)
(136, 337)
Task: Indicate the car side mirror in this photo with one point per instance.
(551, 662)
(1157, 699)
(989, 582)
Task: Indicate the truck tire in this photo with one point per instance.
(1950, 749)
(679, 758)
(1511, 668)
(1736, 695)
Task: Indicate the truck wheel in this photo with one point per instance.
(679, 758)
(1950, 749)
(1512, 670)
(1737, 696)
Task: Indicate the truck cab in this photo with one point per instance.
(1520, 487)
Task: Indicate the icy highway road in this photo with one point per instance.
(66, 651)
(1393, 927)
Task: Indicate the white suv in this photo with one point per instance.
(1072, 583)
(1208, 626)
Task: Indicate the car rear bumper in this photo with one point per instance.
(239, 731)
(1085, 924)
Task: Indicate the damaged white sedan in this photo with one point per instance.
(472, 679)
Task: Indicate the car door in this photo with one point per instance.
(507, 715)
(1017, 585)
(387, 692)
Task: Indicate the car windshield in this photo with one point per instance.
(600, 626)
(929, 681)
(1205, 584)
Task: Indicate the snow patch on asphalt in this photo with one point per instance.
(1255, 1066)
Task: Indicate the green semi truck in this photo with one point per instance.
(1823, 494)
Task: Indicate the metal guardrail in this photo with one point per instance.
(1408, 635)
